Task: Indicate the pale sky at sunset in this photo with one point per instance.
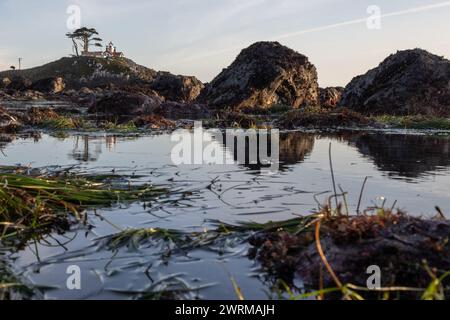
(200, 37)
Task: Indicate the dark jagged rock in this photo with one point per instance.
(263, 75)
(121, 103)
(19, 83)
(5, 82)
(8, 122)
(176, 87)
(79, 72)
(179, 110)
(408, 82)
(87, 73)
(330, 97)
(49, 85)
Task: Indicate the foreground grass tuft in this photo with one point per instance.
(40, 204)
(414, 122)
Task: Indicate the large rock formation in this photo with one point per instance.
(263, 75)
(176, 87)
(79, 72)
(408, 82)
(330, 97)
(106, 74)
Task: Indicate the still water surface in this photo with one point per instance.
(412, 171)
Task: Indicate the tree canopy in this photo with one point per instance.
(85, 37)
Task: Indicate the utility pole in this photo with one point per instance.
(20, 63)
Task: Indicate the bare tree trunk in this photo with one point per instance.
(75, 46)
(86, 43)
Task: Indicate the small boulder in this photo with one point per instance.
(51, 85)
(330, 97)
(121, 103)
(19, 84)
(5, 83)
(263, 75)
(85, 91)
(177, 88)
(8, 122)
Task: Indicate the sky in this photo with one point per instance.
(342, 38)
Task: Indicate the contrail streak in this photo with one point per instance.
(362, 20)
(321, 28)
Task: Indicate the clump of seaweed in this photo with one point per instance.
(418, 122)
(115, 126)
(10, 287)
(154, 122)
(234, 119)
(35, 205)
(320, 117)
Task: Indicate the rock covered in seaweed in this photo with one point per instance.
(408, 82)
(263, 75)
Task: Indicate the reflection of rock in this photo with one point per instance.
(404, 155)
(88, 149)
(408, 82)
(295, 147)
(264, 74)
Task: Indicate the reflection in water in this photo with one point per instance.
(409, 156)
(295, 147)
(6, 139)
(87, 149)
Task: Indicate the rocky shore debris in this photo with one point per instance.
(323, 118)
(403, 247)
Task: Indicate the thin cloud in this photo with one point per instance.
(317, 29)
(363, 20)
